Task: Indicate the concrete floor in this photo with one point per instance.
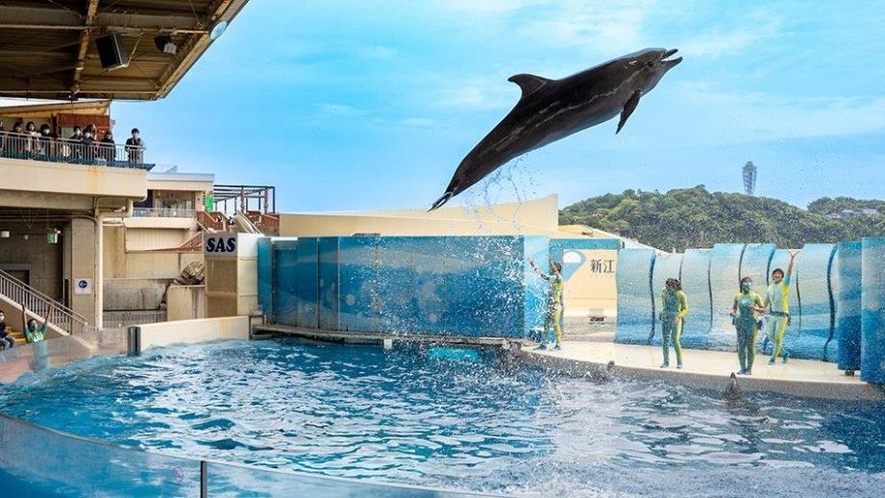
(702, 368)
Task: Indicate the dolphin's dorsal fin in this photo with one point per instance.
(529, 83)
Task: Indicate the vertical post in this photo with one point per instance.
(133, 340)
(98, 280)
(204, 479)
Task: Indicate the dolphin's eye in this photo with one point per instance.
(650, 63)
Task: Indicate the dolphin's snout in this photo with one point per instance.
(670, 63)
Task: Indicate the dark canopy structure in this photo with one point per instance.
(109, 49)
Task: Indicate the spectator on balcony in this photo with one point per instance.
(43, 142)
(73, 147)
(108, 147)
(16, 141)
(31, 141)
(2, 137)
(135, 147)
(90, 145)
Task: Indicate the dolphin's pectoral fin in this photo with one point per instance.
(529, 83)
(629, 107)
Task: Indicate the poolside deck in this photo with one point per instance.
(708, 369)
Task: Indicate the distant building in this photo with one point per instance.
(749, 177)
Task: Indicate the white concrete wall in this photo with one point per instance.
(193, 331)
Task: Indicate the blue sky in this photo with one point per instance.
(346, 105)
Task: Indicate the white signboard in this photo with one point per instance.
(220, 245)
(83, 286)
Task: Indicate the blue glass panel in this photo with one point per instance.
(285, 281)
(666, 266)
(536, 288)
(427, 306)
(328, 283)
(725, 265)
(754, 264)
(846, 279)
(872, 361)
(307, 287)
(812, 265)
(696, 284)
(37, 462)
(359, 302)
(265, 277)
(397, 282)
(635, 304)
(484, 285)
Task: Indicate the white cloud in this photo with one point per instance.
(339, 110)
(376, 52)
(420, 122)
(480, 93)
(760, 116)
(612, 28)
(485, 7)
(721, 41)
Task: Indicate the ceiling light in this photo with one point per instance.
(165, 44)
(217, 30)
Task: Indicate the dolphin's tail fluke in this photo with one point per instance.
(442, 200)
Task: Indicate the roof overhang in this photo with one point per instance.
(48, 49)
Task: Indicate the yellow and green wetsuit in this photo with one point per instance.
(777, 297)
(554, 305)
(675, 307)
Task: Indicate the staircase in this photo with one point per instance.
(62, 319)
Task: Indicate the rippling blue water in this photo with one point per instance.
(407, 416)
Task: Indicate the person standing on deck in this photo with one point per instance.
(553, 316)
(777, 302)
(675, 307)
(743, 311)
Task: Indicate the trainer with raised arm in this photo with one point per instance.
(553, 315)
(33, 332)
(778, 304)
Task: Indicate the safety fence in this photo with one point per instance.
(62, 150)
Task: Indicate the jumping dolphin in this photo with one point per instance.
(552, 109)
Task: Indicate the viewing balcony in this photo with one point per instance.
(61, 150)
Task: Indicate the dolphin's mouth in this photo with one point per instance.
(670, 62)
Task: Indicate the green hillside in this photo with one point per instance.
(694, 217)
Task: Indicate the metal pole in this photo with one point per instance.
(204, 479)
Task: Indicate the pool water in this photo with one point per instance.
(456, 419)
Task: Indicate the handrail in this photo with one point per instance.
(142, 212)
(245, 224)
(39, 303)
(63, 150)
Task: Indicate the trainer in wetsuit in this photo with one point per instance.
(675, 307)
(746, 304)
(553, 314)
(776, 300)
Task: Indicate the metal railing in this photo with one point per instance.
(119, 319)
(142, 212)
(62, 150)
(39, 303)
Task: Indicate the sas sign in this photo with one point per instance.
(220, 245)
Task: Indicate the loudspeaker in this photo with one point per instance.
(110, 51)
